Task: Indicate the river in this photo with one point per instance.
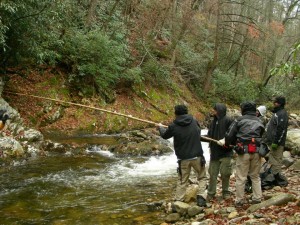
(93, 188)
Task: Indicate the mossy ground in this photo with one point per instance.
(143, 101)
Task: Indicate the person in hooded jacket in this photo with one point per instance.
(246, 133)
(220, 154)
(186, 133)
(276, 138)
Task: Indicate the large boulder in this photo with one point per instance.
(15, 138)
(293, 141)
(294, 120)
(10, 147)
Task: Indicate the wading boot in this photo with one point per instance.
(201, 201)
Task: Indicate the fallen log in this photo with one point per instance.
(280, 199)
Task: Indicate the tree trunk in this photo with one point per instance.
(91, 12)
(213, 64)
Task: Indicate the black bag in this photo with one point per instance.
(266, 177)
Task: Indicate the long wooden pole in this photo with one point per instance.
(89, 107)
(209, 139)
(102, 110)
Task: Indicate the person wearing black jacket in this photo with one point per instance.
(276, 137)
(220, 155)
(246, 133)
(186, 133)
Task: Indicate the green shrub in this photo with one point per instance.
(192, 64)
(235, 89)
(156, 73)
(135, 75)
(95, 60)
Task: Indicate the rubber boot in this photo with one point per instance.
(201, 201)
(280, 180)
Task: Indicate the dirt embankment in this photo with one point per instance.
(143, 101)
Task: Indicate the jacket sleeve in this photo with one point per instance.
(229, 122)
(230, 136)
(282, 121)
(166, 133)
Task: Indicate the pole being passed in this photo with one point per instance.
(89, 107)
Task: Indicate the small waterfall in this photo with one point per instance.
(154, 166)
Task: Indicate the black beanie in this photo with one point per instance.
(181, 110)
(280, 100)
(248, 107)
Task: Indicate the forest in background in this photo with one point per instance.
(221, 50)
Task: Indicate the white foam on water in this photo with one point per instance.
(97, 149)
(157, 165)
(132, 168)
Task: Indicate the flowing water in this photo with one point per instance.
(94, 188)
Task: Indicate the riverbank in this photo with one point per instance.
(280, 205)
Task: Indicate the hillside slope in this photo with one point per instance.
(143, 101)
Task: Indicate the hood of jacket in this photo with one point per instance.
(183, 120)
(221, 110)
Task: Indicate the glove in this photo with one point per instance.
(158, 126)
(221, 142)
(202, 161)
(274, 146)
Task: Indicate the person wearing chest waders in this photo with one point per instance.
(186, 133)
(246, 133)
(220, 154)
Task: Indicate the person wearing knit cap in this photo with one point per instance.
(261, 113)
(276, 137)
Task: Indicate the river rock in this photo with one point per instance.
(32, 135)
(173, 217)
(233, 215)
(14, 124)
(191, 193)
(10, 147)
(230, 209)
(296, 165)
(48, 145)
(181, 207)
(208, 211)
(144, 148)
(195, 223)
(208, 222)
(294, 120)
(194, 210)
(293, 141)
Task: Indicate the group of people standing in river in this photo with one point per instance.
(243, 136)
